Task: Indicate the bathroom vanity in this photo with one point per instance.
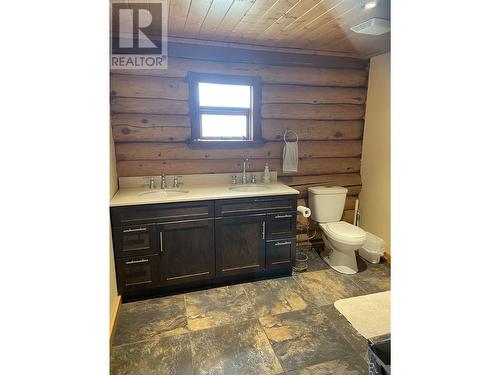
(184, 241)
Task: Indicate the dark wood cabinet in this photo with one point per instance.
(185, 245)
(240, 245)
(187, 251)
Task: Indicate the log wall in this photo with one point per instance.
(325, 106)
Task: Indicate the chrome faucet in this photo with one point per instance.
(176, 182)
(163, 181)
(244, 177)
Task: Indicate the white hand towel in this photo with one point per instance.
(290, 157)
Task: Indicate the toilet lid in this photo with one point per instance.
(344, 231)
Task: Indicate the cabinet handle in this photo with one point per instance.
(263, 230)
(135, 230)
(283, 243)
(282, 216)
(161, 242)
(137, 261)
(263, 199)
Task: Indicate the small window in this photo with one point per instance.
(224, 109)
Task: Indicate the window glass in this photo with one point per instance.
(224, 126)
(219, 95)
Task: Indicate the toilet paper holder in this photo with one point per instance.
(304, 211)
(303, 246)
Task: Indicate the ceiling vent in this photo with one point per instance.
(374, 26)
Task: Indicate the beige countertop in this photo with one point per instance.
(209, 188)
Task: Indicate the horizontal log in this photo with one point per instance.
(348, 216)
(209, 50)
(312, 95)
(157, 134)
(125, 85)
(350, 202)
(151, 106)
(130, 168)
(347, 179)
(179, 67)
(353, 190)
(312, 129)
(314, 111)
(272, 130)
(148, 121)
(274, 150)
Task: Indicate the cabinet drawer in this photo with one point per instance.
(255, 205)
(160, 213)
(135, 240)
(281, 225)
(280, 254)
(137, 273)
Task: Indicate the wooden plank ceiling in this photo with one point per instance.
(305, 25)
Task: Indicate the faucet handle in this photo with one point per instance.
(254, 179)
(177, 182)
(163, 181)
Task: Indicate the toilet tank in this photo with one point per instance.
(327, 203)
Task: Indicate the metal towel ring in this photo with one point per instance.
(290, 131)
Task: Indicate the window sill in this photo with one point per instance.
(206, 143)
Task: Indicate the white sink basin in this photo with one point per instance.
(250, 188)
(162, 193)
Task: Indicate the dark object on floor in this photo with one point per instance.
(379, 358)
(300, 262)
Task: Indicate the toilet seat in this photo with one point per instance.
(344, 232)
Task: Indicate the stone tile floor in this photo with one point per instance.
(285, 325)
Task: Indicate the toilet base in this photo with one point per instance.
(340, 261)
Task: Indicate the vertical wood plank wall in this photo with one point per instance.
(324, 106)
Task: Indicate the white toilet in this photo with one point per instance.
(341, 239)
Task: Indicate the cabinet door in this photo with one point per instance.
(240, 243)
(187, 251)
(137, 273)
